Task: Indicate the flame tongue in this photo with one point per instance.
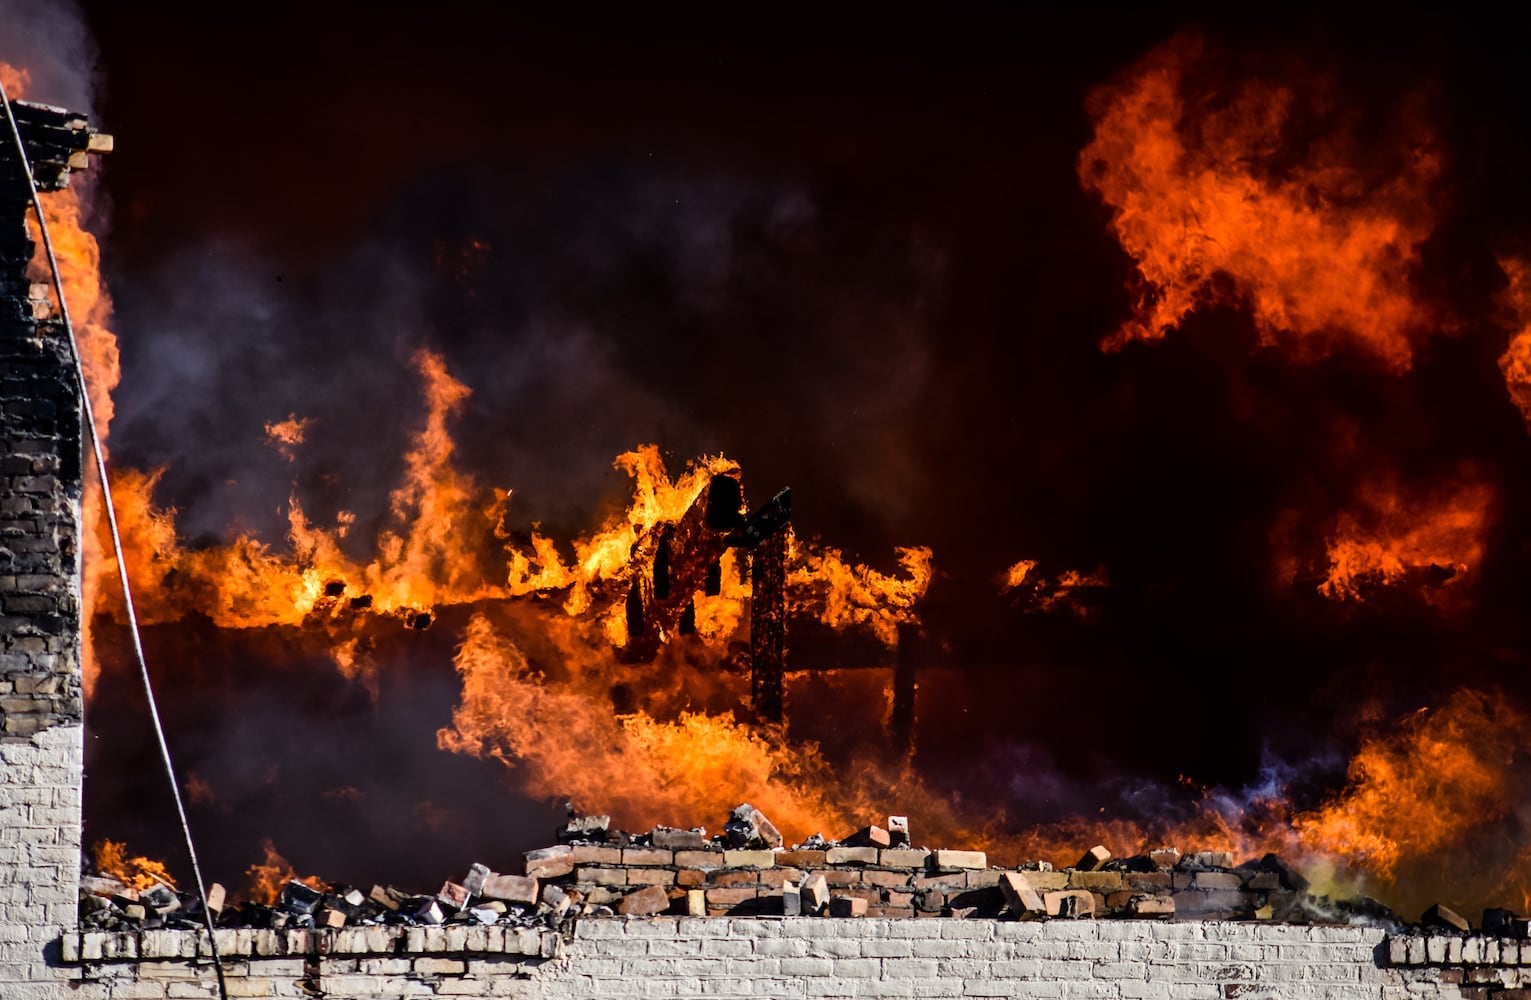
(1200, 187)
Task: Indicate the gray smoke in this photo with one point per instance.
(49, 40)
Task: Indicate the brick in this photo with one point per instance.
(650, 876)
(732, 896)
(690, 877)
(1020, 897)
(779, 875)
(671, 838)
(869, 836)
(1069, 903)
(1093, 859)
(1151, 906)
(644, 902)
(902, 858)
(511, 889)
(743, 858)
(815, 893)
(582, 854)
(1102, 881)
(699, 859)
(801, 859)
(876, 876)
(601, 876)
(550, 862)
(960, 859)
(851, 856)
(1217, 880)
(847, 906)
(647, 856)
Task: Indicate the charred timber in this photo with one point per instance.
(680, 557)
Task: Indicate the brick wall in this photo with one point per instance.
(41, 706)
(797, 957)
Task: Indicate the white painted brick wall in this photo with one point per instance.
(804, 957)
(40, 830)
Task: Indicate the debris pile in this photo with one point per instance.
(594, 870)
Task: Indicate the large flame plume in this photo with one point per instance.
(1206, 200)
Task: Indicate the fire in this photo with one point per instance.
(841, 594)
(1044, 595)
(1392, 537)
(288, 434)
(69, 212)
(1412, 792)
(267, 877)
(111, 857)
(1196, 171)
(1515, 363)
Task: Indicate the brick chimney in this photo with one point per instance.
(41, 701)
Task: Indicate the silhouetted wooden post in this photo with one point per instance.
(768, 624)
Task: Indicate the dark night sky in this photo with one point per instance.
(851, 251)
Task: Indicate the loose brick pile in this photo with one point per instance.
(877, 873)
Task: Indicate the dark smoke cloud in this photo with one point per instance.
(50, 40)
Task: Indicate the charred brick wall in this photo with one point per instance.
(41, 704)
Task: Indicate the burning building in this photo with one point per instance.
(1225, 560)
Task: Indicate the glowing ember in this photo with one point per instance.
(1196, 176)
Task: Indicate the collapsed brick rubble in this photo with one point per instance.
(596, 871)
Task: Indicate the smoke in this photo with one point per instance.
(588, 314)
(49, 39)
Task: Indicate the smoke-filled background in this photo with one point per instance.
(1184, 342)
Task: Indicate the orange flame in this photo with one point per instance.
(1393, 537)
(841, 594)
(267, 877)
(111, 857)
(90, 308)
(1515, 363)
(1319, 250)
(287, 434)
(1043, 594)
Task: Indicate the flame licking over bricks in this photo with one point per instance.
(70, 213)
